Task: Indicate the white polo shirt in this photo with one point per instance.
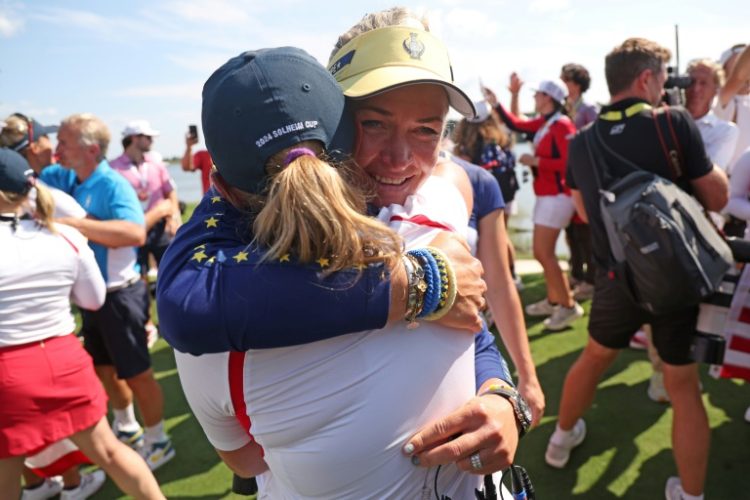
(720, 138)
(737, 111)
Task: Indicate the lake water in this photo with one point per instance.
(189, 189)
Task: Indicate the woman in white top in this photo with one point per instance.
(334, 417)
(48, 387)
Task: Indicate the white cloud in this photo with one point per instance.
(546, 6)
(9, 24)
(45, 115)
(209, 11)
(190, 90)
(202, 62)
(460, 23)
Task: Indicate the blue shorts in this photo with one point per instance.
(116, 333)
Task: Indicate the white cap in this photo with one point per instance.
(727, 54)
(139, 127)
(556, 89)
(483, 112)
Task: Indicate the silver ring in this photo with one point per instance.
(476, 462)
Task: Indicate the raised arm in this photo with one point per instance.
(517, 124)
(738, 77)
(213, 296)
(187, 157)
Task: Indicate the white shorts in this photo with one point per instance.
(511, 207)
(553, 211)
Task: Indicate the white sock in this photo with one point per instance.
(125, 419)
(561, 435)
(685, 496)
(155, 433)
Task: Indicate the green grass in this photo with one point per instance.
(627, 453)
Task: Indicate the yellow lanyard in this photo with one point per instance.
(613, 116)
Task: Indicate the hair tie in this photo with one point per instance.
(296, 153)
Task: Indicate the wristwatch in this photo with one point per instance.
(520, 407)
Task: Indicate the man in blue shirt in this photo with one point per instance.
(115, 334)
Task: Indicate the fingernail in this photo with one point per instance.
(415, 460)
(409, 448)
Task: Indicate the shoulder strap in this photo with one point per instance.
(603, 145)
(595, 155)
(669, 145)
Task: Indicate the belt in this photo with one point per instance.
(117, 288)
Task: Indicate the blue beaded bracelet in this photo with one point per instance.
(432, 278)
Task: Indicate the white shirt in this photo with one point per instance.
(40, 272)
(739, 188)
(332, 416)
(719, 137)
(737, 111)
(65, 205)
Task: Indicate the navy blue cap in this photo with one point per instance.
(34, 131)
(266, 100)
(15, 172)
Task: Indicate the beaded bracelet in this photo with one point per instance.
(448, 298)
(432, 278)
(416, 289)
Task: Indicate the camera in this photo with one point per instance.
(675, 80)
(708, 348)
(674, 87)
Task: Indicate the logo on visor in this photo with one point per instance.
(413, 47)
(343, 61)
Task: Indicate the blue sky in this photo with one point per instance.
(149, 59)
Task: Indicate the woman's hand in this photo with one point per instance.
(532, 393)
(515, 84)
(489, 96)
(485, 425)
(464, 315)
(528, 160)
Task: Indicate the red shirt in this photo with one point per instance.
(202, 161)
(552, 150)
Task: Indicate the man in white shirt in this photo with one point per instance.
(719, 136)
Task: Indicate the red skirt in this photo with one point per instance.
(48, 391)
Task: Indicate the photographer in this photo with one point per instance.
(636, 73)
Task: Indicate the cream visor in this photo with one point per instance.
(386, 58)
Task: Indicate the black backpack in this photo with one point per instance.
(664, 250)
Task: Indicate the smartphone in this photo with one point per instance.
(193, 131)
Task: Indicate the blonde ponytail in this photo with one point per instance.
(45, 207)
(313, 211)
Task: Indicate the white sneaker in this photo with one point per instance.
(747, 415)
(152, 335)
(563, 317)
(133, 438)
(541, 308)
(159, 453)
(656, 390)
(90, 484)
(48, 489)
(673, 490)
(639, 341)
(558, 449)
